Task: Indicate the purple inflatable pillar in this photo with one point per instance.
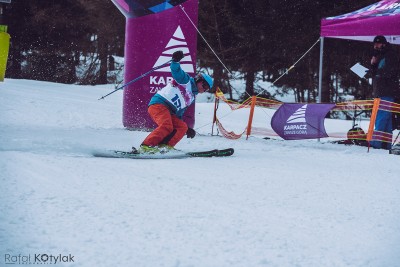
(154, 31)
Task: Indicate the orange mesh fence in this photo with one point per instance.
(267, 103)
(382, 136)
(232, 104)
(226, 134)
(384, 105)
(356, 105)
(263, 131)
(389, 106)
(260, 101)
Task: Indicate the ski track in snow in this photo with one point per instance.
(273, 203)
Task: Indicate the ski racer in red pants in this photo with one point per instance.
(168, 105)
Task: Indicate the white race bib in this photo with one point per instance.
(179, 95)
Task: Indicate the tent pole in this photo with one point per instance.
(321, 60)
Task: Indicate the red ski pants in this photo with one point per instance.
(166, 123)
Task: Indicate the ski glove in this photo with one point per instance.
(177, 56)
(190, 133)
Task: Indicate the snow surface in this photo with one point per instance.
(274, 203)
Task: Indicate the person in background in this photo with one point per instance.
(167, 106)
(384, 72)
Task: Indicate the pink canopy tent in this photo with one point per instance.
(381, 18)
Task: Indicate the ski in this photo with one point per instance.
(176, 154)
(212, 153)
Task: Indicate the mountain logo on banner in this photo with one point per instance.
(296, 124)
(299, 116)
(177, 42)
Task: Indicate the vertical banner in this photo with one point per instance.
(155, 30)
(4, 46)
(301, 121)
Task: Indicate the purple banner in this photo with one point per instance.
(152, 35)
(301, 121)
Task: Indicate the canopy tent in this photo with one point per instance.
(381, 18)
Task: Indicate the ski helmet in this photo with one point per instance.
(205, 77)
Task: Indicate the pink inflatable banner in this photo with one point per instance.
(382, 18)
(154, 30)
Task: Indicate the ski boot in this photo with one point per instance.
(166, 148)
(145, 149)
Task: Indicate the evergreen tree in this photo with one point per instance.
(49, 38)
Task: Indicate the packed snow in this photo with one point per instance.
(273, 203)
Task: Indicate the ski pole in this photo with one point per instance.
(137, 79)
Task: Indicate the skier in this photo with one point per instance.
(168, 105)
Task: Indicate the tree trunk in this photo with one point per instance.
(326, 84)
(103, 55)
(250, 78)
(217, 75)
(14, 64)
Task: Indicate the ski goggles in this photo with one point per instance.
(205, 85)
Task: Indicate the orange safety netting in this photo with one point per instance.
(356, 105)
(226, 134)
(232, 104)
(260, 101)
(381, 136)
(389, 106)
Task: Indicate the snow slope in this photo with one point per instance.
(274, 203)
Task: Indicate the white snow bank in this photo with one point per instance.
(274, 203)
